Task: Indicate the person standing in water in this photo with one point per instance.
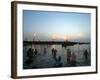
(30, 53)
(86, 55)
(35, 51)
(53, 51)
(30, 57)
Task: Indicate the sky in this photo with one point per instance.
(53, 25)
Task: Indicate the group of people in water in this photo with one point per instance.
(31, 52)
(34, 52)
(71, 57)
(57, 61)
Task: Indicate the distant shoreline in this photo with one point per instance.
(64, 43)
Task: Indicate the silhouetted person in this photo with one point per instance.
(53, 51)
(35, 51)
(73, 60)
(30, 56)
(86, 55)
(30, 53)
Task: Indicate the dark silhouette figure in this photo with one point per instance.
(86, 55)
(53, 51)
(30, 53)
(30, 56)
(35, 51)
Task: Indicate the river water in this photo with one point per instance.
(46, 61)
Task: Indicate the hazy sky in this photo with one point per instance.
(48, 25)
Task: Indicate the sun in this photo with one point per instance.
(59, 37)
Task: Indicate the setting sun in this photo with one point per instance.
(59, 36)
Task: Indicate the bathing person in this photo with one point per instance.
(53, 51)
(35, 51)
(30, 53)
(30, 56)
(86, 55)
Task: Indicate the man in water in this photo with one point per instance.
(35, 51)
(86, 55)
(30, 53)
(53, 51)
